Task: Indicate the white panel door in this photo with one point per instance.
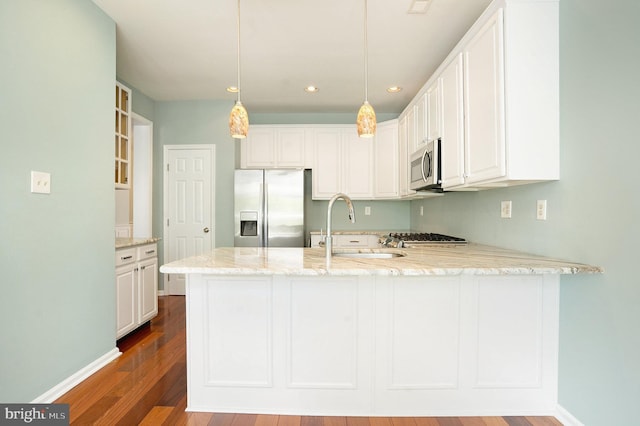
(188, 222)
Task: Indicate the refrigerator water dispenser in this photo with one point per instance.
(249, 224)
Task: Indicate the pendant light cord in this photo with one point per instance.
(366, 56)
(238, 28)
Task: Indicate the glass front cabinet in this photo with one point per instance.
(122, 136)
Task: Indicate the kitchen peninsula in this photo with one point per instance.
(446, 330)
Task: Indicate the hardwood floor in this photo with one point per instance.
(147, 385)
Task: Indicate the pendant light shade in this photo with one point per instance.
(239, 118)
(239, 121)
(366, 120)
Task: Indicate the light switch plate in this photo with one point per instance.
(40, 182)
(505, 209)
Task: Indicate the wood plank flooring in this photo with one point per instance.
(147, 385)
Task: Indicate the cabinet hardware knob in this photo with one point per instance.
(206, 230)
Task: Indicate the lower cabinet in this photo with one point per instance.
(136, 287)
(348, 240)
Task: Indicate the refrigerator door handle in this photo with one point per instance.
(265, 215)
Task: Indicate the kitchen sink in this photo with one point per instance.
(369, 254)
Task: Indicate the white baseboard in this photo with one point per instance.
(70, 382)
(566, 418)
(162, 293)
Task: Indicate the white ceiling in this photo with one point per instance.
(186, 49)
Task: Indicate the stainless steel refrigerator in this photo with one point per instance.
(269, 208)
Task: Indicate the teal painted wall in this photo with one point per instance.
(57, 309)
(140, 103)
(593, 211)
(196, 122)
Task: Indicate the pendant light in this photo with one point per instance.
(239, 118)
(366, 120)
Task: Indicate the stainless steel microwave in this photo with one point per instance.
(424, 168)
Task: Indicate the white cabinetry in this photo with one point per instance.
(499, 99)
(343, 162)
(484, 102)
(348, 240)
(420, 111)
(511, 95)
(386, 172)
(452, 146)
(136, 287)
(362, 168)
(403, 155)
(434, 111)
(268, 146)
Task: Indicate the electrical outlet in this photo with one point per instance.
(505, 209)
(421, 210)
(541, 210)
(40, 182)
(367, 211)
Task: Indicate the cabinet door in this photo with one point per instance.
(147, 290)
(327, 161)
(452, 125)
(290, 148)
(484, 102)
(386, 173)
(403, 155)
(434, 111)
(122, 136)
(411, 131)
(420, 111)
(259, 148)
(126, 318)
(358, 165)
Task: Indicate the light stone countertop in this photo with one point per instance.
(131, 242)
(445, 259)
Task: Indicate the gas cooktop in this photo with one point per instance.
(417, 238)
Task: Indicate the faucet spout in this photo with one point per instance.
(328, 244)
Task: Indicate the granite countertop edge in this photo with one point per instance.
(132, 242)
(441, 260)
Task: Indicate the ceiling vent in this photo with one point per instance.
(419, 6)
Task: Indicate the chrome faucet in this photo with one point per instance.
(328, 242)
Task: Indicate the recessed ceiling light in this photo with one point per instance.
(419, 6)
(232, 89)
(394, 89)
(311, 89)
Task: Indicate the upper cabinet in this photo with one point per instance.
(386, 173)
(122, 136)
(452, 127)
(484, 102)
(343, 162)
(499, 99)
(363, 168)
(271, 146)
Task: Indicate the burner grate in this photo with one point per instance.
(425, 237)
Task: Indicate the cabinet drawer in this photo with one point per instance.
(125, 256)
(351, 241)
(148, 251)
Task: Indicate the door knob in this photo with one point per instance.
(206, 230)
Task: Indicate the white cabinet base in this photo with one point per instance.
(373, 345)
